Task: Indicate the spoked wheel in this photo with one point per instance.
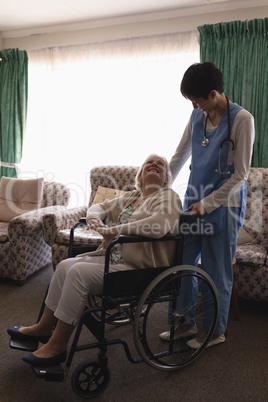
(182, 295)
(113, 317)
(90, 379)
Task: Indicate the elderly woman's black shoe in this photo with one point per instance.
(16, 334)
(45, 362)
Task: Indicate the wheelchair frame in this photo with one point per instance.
(148, 288)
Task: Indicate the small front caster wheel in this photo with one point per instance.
(90, 379)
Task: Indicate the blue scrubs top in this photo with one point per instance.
(204, 178)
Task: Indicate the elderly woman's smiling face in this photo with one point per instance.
(154, 171)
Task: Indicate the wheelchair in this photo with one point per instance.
(151, 301)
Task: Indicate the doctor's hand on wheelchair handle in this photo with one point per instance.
(197, 209)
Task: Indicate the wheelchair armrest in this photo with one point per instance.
(142, 239)
(83, 220)
(124, 239)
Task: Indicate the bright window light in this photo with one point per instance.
(86, 110)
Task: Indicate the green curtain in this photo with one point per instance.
(240, 50)
(13, 108)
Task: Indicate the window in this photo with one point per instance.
(109, 103)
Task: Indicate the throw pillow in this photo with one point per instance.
(18, 196)
(105, 193)
(244, 238)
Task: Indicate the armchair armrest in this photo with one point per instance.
(60, 218)
(29, 223)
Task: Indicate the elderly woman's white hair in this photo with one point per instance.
(138, 183)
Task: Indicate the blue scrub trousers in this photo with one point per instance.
(217, 253)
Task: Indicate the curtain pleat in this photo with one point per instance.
(240, 51)
(13, 108)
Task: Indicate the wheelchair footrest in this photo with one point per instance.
(53, 373)
(29, 345)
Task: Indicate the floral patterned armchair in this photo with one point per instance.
(251, 270)
(23, 250)
(58, 222)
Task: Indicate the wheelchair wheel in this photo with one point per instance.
(113, 317)
(90, 379)
(180, 295)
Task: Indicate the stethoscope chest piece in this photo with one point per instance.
(205, 142)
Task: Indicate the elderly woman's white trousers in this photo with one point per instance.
(71, 283)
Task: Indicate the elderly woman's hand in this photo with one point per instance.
(108, 234)
(95, 223)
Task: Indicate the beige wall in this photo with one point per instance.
(68, 34)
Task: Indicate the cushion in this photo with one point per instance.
(245, 238)
(251, 254)
(3, 231)
(105, 193)
(18, 196)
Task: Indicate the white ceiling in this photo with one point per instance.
(21, 14)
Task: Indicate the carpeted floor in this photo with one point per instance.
(234, 371)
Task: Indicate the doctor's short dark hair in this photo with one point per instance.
(200, 79)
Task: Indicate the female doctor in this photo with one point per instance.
(219, 138)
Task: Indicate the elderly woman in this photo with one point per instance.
(152, 211)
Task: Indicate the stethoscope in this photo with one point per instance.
(205, 141)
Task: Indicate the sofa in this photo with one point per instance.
(251, 268)
(23, 250)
